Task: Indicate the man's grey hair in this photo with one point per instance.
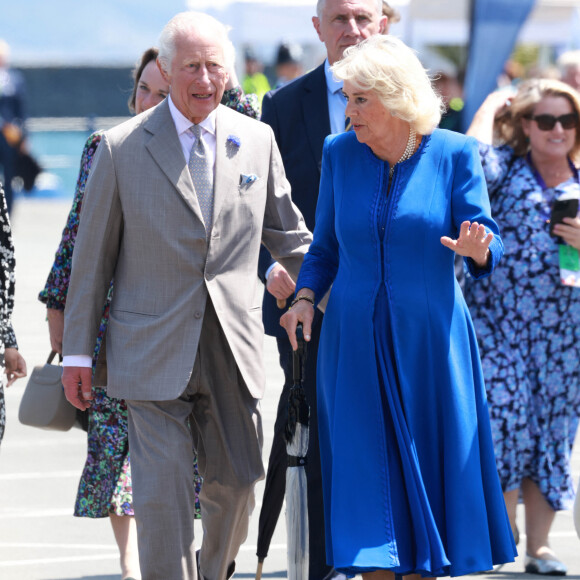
(186, 22)
(569, 59)
(320, 7)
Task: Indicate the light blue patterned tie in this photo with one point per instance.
(202, 177)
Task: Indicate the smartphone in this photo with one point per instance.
(562, 208)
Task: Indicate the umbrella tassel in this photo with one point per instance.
(298, 411)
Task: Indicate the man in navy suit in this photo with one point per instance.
(302, 114)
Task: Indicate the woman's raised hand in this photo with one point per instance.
(473, 242)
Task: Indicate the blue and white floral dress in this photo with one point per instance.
(528, 329)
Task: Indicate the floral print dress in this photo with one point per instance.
(105, 484)
(528, 328)
(7, 262)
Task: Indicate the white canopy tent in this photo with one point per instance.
(72, 32)
(552, 22)
(264, 23)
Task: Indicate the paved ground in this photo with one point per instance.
(39, 470)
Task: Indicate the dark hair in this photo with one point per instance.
(288, 53)
(149, 55)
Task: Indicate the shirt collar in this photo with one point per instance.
(182, 123)
(332, 84)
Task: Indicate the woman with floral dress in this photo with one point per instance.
(10, 358)
(105, 487)
(527, 314)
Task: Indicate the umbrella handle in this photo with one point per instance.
(299, 355)
(259, 570)
(299, 335)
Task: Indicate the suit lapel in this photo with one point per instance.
(228, 153)
(315, 112)
(165, 149)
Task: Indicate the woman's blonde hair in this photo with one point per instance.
(387, 66)
(508, 120)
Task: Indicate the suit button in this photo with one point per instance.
(209, 276)
(198, 314)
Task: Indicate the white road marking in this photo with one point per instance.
(40, 475)
(87, 558)
(62, 560)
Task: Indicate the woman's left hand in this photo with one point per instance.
(569, 231)
(302, 311)
(473, 242)
(15, 365)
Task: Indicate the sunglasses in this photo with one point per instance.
(548, 122)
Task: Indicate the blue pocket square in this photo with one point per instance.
(247, 179)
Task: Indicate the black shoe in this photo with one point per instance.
(230, 571)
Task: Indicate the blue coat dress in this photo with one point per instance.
(410, 482)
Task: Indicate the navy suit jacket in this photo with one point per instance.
(298, 114)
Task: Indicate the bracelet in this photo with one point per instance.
(298, 298)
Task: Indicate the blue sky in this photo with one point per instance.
(83, 32)
(117, 31)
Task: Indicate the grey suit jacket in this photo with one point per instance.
(141, 225)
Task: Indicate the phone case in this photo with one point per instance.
(561, 209)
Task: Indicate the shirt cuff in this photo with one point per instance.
(77, 360)
(270, 269)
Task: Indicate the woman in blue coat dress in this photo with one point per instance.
(401, 401)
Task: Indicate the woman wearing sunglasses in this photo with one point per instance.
(527, 319)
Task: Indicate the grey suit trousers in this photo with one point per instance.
(217, 411)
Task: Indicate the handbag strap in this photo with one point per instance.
(52, 355)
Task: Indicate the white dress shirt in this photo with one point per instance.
(186, 138)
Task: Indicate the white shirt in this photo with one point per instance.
(186, 138)
(187, 141)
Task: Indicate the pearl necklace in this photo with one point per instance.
(409, 150)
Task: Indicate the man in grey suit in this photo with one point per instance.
(177, 204)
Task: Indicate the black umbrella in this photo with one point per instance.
(275, 486)
(297, 434)
(294, 412)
